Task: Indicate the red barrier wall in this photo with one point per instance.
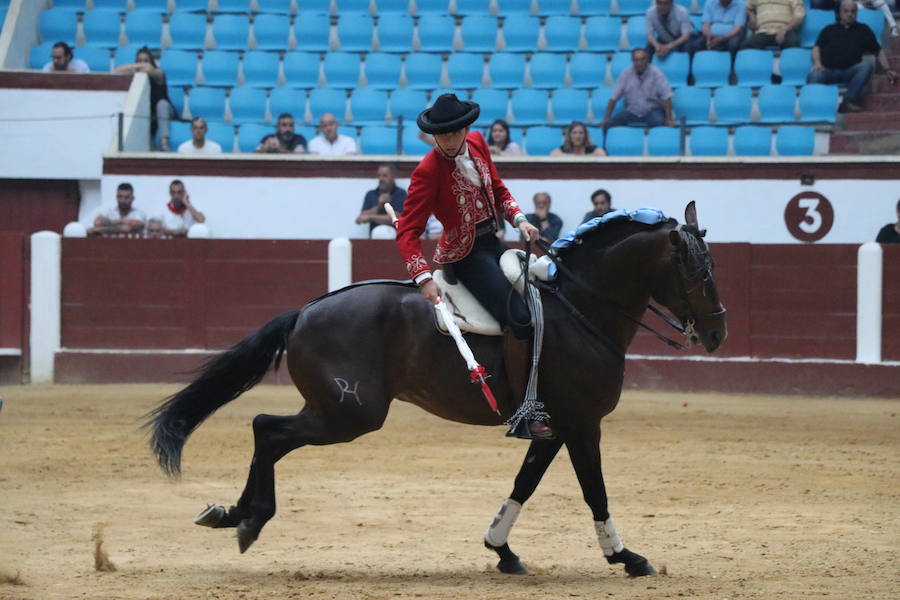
(30, 205)
(13, 307)
(890, 304)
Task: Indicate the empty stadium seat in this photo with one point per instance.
(529, 107)
(874, 19)
(548, 71)
(602, 33)
(40, 55)
(465, 69)
(664, 141)
(408, 104)
(432, 7)
(752, 140)
(232, 6)
(159, 6)
(423, 71)
(311, 31)
(220, 68)
(733, 104)
(346, 7)
(493, 104)
(472, 7)
(620, 61)
(327, 100)
(287, 100)
(625, 141)
(594, 7)
(341, 69)
(711, 68)
(143, 28)
(542, 140)
(709, 141)
(188, 30)
(385, 7)
(435, 33)
(59, 25)
(550, 8)
(250, 134)
(176, 97)
(599, 100)
(378, 139)
(692, 103)
(180, 66)
(192, 5)
(776, 103)
(126, 55)
(636, 31)
(587, 69)
(119, 6)
(562, 33)
(818, 103)
(507, 70)
(437, 93)
(795, 140)
(260, 69)
(179, 132)
(301, 69)
(675, 66)
(753, 67)
(317, 7)
(633, 7)
(231, 32)
(794, 65)
(248, 105)
(382, 70)
(395, 33)
(479, 33)
(207, 102)
(506, 8)
(569, 105)
(101, 28)
(355, 33)
(368, 106)
(222, 134)
(520, 32)
(276, 7)
(813, 23)
(412, 145)
(97, 59)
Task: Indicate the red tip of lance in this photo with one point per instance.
(479, 374)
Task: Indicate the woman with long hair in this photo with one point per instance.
(577, 141)
(499, 142)
(161, 109)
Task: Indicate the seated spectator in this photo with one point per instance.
(179, 214)
(373, 211)
(723, 24)
(577, 142)
(198, 144)
(774, 23)
(602, 201)
(669, 29)
(161, 109)
(329, 142)
(837, 57)
(881, 5)
(648, 95)
(890, 233)
(63, 60)
(549, 224)
(499, 142)
(155, 229)
(284, 140)
(121, 218)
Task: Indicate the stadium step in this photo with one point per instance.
(864, 143)
(872, 121)
(881, 102)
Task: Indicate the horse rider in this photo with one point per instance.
(458, 183)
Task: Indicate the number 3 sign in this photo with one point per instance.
(809, 216)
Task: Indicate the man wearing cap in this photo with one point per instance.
(458, 183)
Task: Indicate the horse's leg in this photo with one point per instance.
(540, 454)
(584, 449)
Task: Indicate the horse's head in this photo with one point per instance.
(686, 285)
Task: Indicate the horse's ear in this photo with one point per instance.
(675, 237)
(690, 215)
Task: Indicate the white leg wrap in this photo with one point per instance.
(498, 532)
(608, 537)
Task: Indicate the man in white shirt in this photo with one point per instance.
(122, 218)
(198, 144)
(179, 214)
(63, 60)
(329, 142)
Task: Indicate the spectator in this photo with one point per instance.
(373, 211)
(602, 201)
(648, 95)
(284, 140)
(198, 144)
(669, 29)
(499, 142)
(890, 233)
(577, 141)
(155, 229)
(122, 218)
(64, 61)
(160, 106)
(329, 142)
(179, 213)
(837, 57)
(549, 224)
(881, 5)
(774, 23)
(723, 24)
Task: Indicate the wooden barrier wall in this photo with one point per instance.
(13, 306)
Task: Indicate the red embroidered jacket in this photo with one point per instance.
(438, 187)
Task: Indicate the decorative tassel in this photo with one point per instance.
(480, 374)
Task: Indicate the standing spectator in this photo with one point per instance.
(198, 144)
(723, 24)
(329, 142)
(577, 142)
(161, 109)
(121, 218)
(284, 140)
(890, 233)
(648, 95)
(179, 213)
(499, 142)
(669, 29)
(774, 23)
(548, 224)
(64, 61)
(373, 211)
(837, 57)
(602, 201)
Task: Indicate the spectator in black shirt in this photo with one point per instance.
(549, 224)
(890, 233)
(373, 211)
(837, 57)
(284, 140)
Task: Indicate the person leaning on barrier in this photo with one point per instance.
(577, 142)
(499, 142)
(122, 218)
(62, 60)
(160, 106)
(890, 233)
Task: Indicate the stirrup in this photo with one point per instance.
(529, 412)
(525, 430)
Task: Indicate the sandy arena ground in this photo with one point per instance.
(736, 497)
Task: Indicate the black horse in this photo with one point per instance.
(350, 353)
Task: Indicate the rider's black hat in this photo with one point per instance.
(448, 114)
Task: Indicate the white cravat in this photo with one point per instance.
(465, 164)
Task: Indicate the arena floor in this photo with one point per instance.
(730, 496)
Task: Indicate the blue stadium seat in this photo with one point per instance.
(311, 31)
(587, 69)
(636, 32)
(664, 141)
(438, 92)
(552, 8)
(179, 132)
(508, 8)
(180, 66)
(633, 7)
(692, 103)
(815, 21)
(493, 104)
(465, 69)
(369, 106)
(423, 71)
(569, 105)
(176, 97)
(301, 69)
(341, 69)
(207, 102)
(327, 100)
(676, 67)
(233, 6)
(348, 7)
(250, 134)
(378, 139)
(355, 33)
(77, 5)
(620, 61)
(794, 140)
(589, 8)
(466, 8)
(752, 140)
(287, 100)
(313, 7)
(600, 99)
(158, 6)
(408, 104)
(548, 71)
(97, 59)
(562, 33)
(126, 55)
(143, 27)
(59, 25)
(248, 105)
(220, 68)
(395, 33)
(529, 107)
(119, 6)
(276, 7)
(794, 65)
(436, 33)
(602, 33)
(776, 103)
(874, 19)
(260, 69)
(412, 145)
(310, 132)
(479, 33)
(40, 55)
(542, 140)
(231, 32)
(733, 104)
(753, 67)
(389, 7)
(101, 28)
(625, 141)
(192, 5)
(711, 68)
(383, 70)
(507, 69)
(709, 141)
(521, 33)
(222, 134)
(432, 7)
(188, 30)
(818, 103)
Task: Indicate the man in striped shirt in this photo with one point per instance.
(774, 23)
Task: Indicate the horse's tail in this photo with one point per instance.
(222, 379)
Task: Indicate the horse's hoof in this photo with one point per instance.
(246, 535)
(512, 567)
(210, 516)
(641, 568)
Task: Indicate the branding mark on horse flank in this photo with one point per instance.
(344, 386)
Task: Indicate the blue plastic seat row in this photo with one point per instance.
(776, 104)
